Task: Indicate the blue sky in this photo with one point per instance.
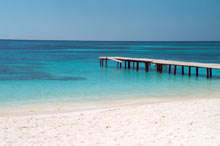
(137, 20)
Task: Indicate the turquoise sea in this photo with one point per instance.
(35, 72)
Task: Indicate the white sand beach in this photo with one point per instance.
(174, 123)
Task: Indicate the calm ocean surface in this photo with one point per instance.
(35, 72)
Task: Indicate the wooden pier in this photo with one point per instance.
(160, 64)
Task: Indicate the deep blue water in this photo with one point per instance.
(68, 71)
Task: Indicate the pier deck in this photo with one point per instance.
(160, 63)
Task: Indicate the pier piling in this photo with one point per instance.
(174, 69)
(197, 71)
(101, 62)
(189, 71)
(125, 64)
(169, 69)
(137, 67)
(129, 64)
(182, 70)
(106, 62)
(146, 66)
(207, 73)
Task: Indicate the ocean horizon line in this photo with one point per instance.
(64, 40)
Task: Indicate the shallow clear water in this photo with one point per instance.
(68, 71)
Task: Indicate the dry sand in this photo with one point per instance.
(179, 123)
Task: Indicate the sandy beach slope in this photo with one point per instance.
(178, 123)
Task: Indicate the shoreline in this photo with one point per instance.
(44, 109)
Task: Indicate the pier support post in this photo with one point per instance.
(125, 64)
(207, 72)
(120, 64)
(106, 62)
(133, 65)
(129, 64)
(189, 71)
(146, 66)
(117, 64)
(197, 71)
(102, 62)
(182, 70)
(169, 69)
(210, 72)
(137, 67)
(174, 69)
(159, 68)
